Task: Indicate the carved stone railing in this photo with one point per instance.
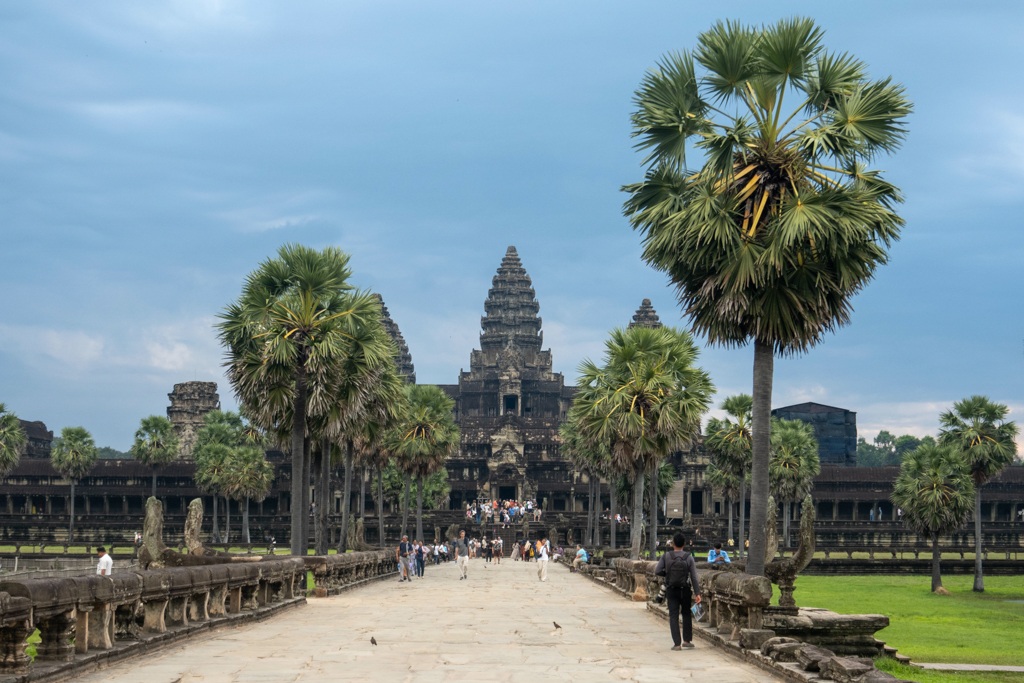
(333, 574)
(734, 601)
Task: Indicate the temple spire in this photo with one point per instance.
(404, 360)
(511, 310)
(646, 316)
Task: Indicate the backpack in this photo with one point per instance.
(677, 572)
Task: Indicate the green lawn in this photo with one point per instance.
(964, 628)
(912, 673)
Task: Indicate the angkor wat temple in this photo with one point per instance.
(509, 406)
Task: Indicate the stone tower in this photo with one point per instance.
(190, 401)
(646, 316)
(404, 360)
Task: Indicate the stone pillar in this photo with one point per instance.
(81, 631)
(124, 505)
(10, 505)
(106, 505)
(992, 511)
(154, 611)
(835, 510)
(55, 633)
(100, 628)
(177, 611)
(855, 506)
(48, 505)
(13, 640)
(88, 507)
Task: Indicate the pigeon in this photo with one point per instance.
(373, 641)
(556, 624)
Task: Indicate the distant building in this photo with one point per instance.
(834, 428)
(190, 401)
(39, 439)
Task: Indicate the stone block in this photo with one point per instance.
(769, 645)
(810, 657)
(846, 669)
(753, 638)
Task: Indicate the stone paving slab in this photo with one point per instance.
(495, 626)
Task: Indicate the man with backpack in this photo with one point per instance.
(680, 572)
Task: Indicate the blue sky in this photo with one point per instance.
(151, 154)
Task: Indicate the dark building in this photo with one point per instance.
(190, 401)
(834, 428)
(38, 440)
(510, 404)
(404, 360)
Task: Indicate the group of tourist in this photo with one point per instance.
(503, 512)
(413, 556)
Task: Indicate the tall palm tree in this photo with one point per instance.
(646, 400)
(155, 444)
(425, 438)
(978, 428)
(730, 442)
(793, 466)
(591, 460)
(247, 476)
(73, 454)
(783, 222)
(12, 438)
(229, 430)
(212, 462)
(934, 490)
(726, 484)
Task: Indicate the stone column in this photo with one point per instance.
(10, 505)
(100, 627)
(88, 507)
(856, 505)
(124, 505)
(48, 505)
(55, 633)
(106, 505)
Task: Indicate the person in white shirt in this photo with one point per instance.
(542, 560)
(105, 565)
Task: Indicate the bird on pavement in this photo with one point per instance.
(373, 641)
(556, 624)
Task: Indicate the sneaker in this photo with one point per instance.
(689, 645)
(677, 647)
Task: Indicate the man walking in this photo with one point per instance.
(404, 555)
(542, 559)
(680, 572)
(105, 565)
(462, 554)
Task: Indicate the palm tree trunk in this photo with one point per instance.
(362, 497)
(419, 510)
(597, 512)
(296, 511)
(588, 537)
(307, 466)
(787, 510)
(936, 558)
(652, 516)
(380, 505)
(227, 521)
(405, 508)
(346, 498)
(741, 546)
(71, 523)
(638, 511)
(153, 494)
(323, 496)
(732, 504)
(760, 428)
(216, 522)
(613, 507)
(979, 578)
(245, 523)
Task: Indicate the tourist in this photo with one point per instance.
(402, 553)
(462, 554)
(537, 512)
(580, 559)
(718, 555)
(542, 559)
(419, 559)
(105, 564)
(516, 552)
(680, 572)
(498, 548)
(557, 554)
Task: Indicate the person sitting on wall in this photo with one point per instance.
(718, 555)
(580, 559)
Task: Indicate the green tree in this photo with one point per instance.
(934, 490)
(73, 454)
(783, 222)
(424, 439)
(155, 444)
(644, 402)
(228, 429)
(793, 466)
(284, 337)
(729, 442)
(978, 428)
(726, 484)
(247, 476)
(12, 438)
(212, 463)
(592, 460)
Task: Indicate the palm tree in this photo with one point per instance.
(229, 430)
(646, 400)
(12, 438)
(793, 466)
(247, 476)
(212, 463)
(155, 444)
(73, 454)
(978, 428)
(783, 222)
(284, 336)
(424, 438)
(730, 443)
(726, 484)
(934, 489)
(591, 460)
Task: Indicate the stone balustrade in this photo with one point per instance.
(333, 574)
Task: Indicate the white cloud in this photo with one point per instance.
(288, 210)
(69, 348)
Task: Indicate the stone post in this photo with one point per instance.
(106, 505)
(55, 633)
(13, 641)
(154, 616)
(100, 627)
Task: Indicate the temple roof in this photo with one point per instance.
(646, 316)
(511, 309)
(404, 360)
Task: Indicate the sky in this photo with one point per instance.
(152, 154)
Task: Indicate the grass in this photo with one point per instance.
(912, 673)
(962, 628)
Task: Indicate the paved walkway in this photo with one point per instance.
(495, 626)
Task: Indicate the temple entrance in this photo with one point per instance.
(506, 492)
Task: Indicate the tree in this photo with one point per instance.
(977, 427)
(424, 439)
(12, 438)
(644, 402)
(793, 466)
(726, 484)
(768, 240)
(155, 444)
(284, 337)
(73, 454)
(212, 463)
(247, 476)
(934, 490)
(729, 441)
(592, 460)
(227, 429)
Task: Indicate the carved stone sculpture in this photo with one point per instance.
(194, 527)
(153, 548)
